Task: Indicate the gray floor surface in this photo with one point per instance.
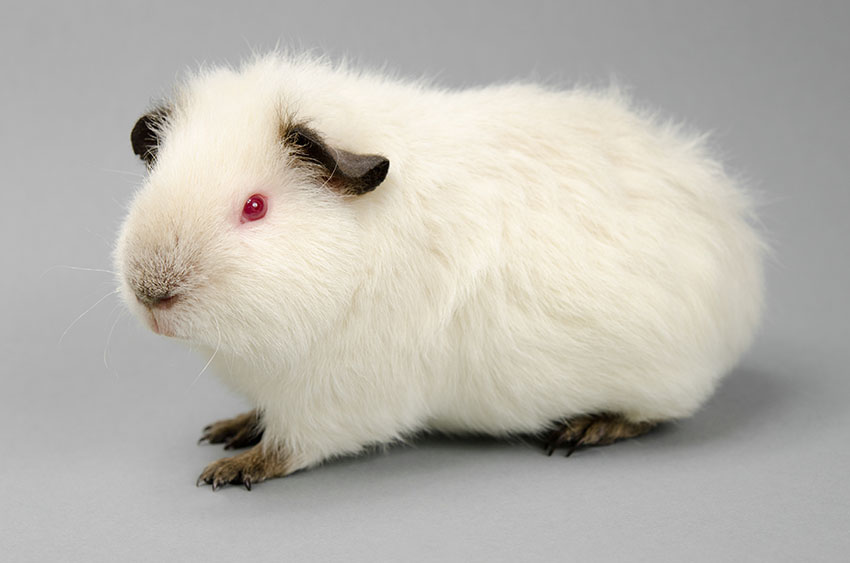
(100, 417)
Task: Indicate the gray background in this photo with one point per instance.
(98, 456)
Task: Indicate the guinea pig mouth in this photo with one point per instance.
(159, 323)
(166, 302)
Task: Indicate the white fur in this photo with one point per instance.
(532, 255)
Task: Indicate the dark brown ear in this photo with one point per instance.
(347, 172)
(145, 135)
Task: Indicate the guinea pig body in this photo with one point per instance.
(529, 256)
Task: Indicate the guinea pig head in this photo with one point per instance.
(243, 235)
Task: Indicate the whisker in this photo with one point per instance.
(83, 314)
(76, 268)
(100, 236)
(125, 172)
(217, 346)
(109, 337)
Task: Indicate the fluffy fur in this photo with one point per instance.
(532, 255)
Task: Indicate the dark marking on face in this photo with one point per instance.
(346, 172)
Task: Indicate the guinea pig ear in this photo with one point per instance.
(145, 136)
(347, 172)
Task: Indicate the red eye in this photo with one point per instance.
(255, 208)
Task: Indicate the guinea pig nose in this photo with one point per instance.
(156, 298)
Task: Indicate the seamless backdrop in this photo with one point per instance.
(99, 417)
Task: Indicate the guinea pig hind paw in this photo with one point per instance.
(594, 430)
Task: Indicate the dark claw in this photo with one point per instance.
(202, 438)
(556, 439)
(247, 483)
(551, 443)
(198, 482)
(207, 428)
(579, 441)
(217, 484)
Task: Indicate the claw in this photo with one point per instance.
(217, 484)
(198, 482)
(580, 441)
(247, 483)
(556, 438)
(202, 439)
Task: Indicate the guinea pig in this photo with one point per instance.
(366, 258)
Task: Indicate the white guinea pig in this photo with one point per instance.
(368, 258)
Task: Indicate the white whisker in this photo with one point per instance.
(101, 237)
(217, 346)
(83, 314)
(76, 268)
(109, 338)
(125, 172)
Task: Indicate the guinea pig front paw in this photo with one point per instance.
(594, 430)
(237, 432)
(248, 468)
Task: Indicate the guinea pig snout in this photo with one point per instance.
(158, 282)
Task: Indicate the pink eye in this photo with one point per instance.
(255, 208)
